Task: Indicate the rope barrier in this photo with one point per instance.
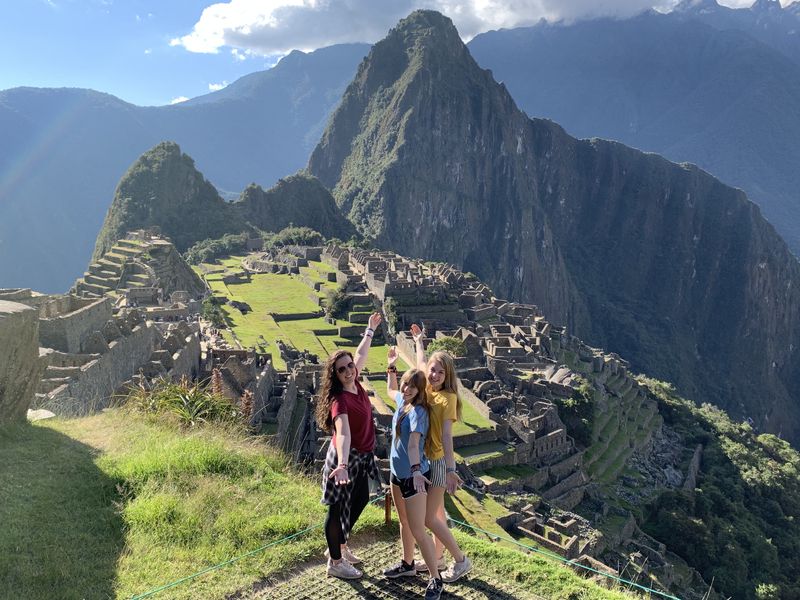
(493, 536)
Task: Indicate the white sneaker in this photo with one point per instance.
(457, 570)
(344, 570)
(347, 555)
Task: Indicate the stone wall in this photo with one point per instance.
(100, 378)
(20, 367)
(68, 321)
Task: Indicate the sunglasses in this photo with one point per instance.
(343, 368)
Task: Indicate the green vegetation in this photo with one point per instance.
(577, 412)
(120, 503)
(741, 525)
(288, 236)
(210, 249)
(336, 303)
(456, 347)
(482, 452)
(191, 403)
(212, 312)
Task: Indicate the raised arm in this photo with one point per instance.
(391, 372)
(362, 351)
(417, 334)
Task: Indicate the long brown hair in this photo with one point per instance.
(450, 383)
(416, 378)
(331, 386)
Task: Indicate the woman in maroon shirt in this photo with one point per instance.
(344, 409)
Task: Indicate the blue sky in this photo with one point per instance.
(152, 52)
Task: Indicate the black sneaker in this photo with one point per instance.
(401, 569)
(434, 589)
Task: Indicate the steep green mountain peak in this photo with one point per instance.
(163, 188)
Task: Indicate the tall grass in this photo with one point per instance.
(191, 403)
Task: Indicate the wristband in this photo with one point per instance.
(450, 470)
(415, 469)
(342, 465)
(391, 369)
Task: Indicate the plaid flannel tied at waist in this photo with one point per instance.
(359, 464)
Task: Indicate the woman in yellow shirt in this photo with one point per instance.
(445, 410)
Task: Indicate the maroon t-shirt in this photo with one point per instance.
(359, 414)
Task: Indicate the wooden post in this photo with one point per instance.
(387, 508)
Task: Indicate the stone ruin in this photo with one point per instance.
(142, 259)
(93, 343)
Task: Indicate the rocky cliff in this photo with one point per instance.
(658, 261)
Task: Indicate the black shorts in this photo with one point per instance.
(407, 485)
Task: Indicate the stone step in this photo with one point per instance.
(48, 385)
(114, 258)
(131, 244)
(55, 372)
(110, 266)
(92, 288)
(141, 278)
(125, 251)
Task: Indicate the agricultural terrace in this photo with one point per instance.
(272, 297)
(271, 294)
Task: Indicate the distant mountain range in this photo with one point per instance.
(64, 150)
(668, 84)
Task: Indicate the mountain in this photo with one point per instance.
(164, 189)
(670, 85)
(64, 150)
(658, 261)
(764, 20)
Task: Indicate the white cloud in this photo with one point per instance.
(213, 87)
(148, 50)
(272, 27)
(178, 100)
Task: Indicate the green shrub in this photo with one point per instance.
(190, 403)
(336, 303)
(211, 311)
(211, 249)
(454, 346)
(294, 236)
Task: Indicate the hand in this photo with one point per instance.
(340, 475)
(419, 482)
(391, 356)
(416, 333)
(375, 320)
(453, 483)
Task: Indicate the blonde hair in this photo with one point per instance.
(416, 378)
(450, 383)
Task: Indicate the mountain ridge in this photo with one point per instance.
(561, 213)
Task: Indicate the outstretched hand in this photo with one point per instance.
(340, 475)
(375, 320)
(419, 482)
(391, 356)
(416, 332)
(453, 482)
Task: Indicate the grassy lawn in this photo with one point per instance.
(481, 452)
(510, 472)
(115, 505)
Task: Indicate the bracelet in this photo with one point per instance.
(342, 465)
(415, 468)
(391, 369)
(450, 470)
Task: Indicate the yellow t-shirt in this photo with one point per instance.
(443, 406)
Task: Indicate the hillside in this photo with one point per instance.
(64, 150)
(163, 189)
(657, 261)
(667, 84)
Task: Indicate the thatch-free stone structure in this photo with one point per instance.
(20, 367)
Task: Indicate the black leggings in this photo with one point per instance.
(333, 522)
